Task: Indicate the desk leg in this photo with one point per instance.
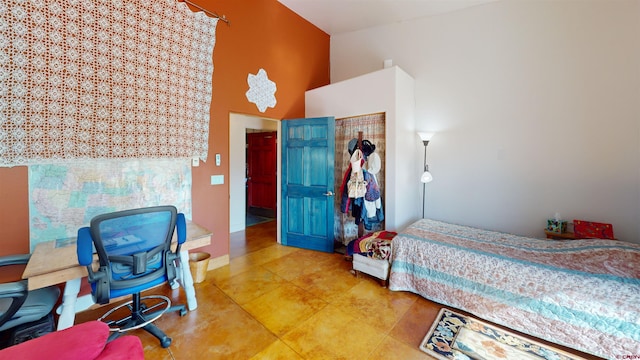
(69, 297)
(187, 281)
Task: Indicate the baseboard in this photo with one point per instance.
(218, 262)
(239, 226)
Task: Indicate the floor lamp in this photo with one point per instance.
(426, 175)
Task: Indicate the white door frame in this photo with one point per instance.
(238, 125)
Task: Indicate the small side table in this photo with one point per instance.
(560, 236)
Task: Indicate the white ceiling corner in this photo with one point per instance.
(341, 16)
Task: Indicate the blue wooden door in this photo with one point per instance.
(308, 147)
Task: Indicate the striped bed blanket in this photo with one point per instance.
(584, 294)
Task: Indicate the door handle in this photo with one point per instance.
(328, 193)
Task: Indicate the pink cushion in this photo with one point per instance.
(79, 342)
(123, 348)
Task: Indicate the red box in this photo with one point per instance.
(592, 230)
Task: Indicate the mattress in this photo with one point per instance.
(584, 294)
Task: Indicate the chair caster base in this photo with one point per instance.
(165, 342)
(141, 316)
(146, 313)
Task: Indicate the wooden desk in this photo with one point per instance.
(50, 266)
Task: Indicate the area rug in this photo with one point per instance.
(457, 336)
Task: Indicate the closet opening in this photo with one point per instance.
(368, 133)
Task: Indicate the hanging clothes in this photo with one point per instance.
(371, 212)
(360, 191)
(367, 147)
(347, 131)
(345, 202)
(354, 187)
(373, 201)
(357, 184)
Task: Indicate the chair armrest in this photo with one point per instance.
(14, 259)
(17, 292)
(84, 247)
(181, 223)
(13, 289)
(98, 279)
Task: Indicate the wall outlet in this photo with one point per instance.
(217, 159)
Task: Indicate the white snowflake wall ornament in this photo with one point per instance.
(261, 90)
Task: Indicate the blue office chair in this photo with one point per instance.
(134, 254)
(24, 312)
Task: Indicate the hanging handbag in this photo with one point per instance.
(356, 185)
(373, 190)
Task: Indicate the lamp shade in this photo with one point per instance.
(425, 136)
(426, 177)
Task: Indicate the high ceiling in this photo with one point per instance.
(340, 16)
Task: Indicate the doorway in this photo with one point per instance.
(261, 176)
(240, 126)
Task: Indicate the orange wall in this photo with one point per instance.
(14, 211)
(263, 34)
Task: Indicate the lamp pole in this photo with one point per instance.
(424, 185)
(426, 177)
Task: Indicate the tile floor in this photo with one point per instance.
(277, 302)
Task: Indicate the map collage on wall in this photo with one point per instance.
(64, 197)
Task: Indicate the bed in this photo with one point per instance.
(584, 294)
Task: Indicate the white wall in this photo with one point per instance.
(390, 91)
(535, 106)
(238, 125)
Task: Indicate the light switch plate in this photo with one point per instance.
(195, 161)
(217, 179)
